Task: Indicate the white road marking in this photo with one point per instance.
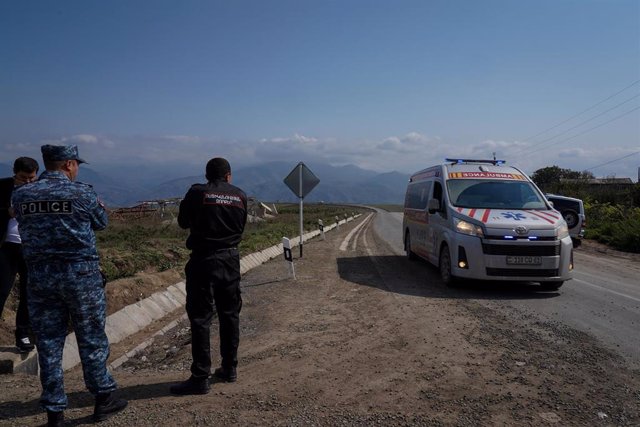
(345, 242)
(354, 245)
(608, 290)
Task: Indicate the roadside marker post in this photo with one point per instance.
(321, 227)
(337, 222)
(288, 257)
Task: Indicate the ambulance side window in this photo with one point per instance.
(418, 195)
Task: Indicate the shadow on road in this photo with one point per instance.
(397, 274)
(14, 410)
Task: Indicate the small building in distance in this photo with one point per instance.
(601, 183)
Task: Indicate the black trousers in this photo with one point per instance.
(12, 263)
(213, 279)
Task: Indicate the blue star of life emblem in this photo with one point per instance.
(513, 215)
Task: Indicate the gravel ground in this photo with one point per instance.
(366, 338)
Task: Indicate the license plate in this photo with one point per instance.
(524, 260)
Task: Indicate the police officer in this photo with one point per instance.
(215, 213)
(57, 218)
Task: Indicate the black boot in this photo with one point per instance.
(228, 375)
(191, 386)
(55, 419)
(106, 406)
(24, 344)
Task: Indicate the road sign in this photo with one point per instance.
(301, 180)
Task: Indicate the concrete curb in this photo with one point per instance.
(135, 317)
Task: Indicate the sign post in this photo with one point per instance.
(321, 227)
(301, 181)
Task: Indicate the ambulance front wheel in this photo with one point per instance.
(445, 267)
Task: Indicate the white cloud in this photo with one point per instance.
(295, 139)
(85, 140)
(183, 139)
(412, 142)
(405, 153)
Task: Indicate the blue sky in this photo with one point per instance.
(385, 85)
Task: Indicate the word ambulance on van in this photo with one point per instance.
(481, 219)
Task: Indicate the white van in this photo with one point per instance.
(481, 219)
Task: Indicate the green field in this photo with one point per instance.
(131, 245)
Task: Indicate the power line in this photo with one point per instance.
(587, 130)
(612, 161)
(580, 124)
(582, 112)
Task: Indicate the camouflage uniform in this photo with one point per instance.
(57, 218)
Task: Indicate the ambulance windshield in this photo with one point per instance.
(494, 194)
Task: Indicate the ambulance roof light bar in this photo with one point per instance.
(461, 161)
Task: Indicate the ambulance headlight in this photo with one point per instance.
(467, 228)
(562, 230)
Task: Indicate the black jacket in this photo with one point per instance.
(215, 213)
(6, 189)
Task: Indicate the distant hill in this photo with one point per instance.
(110, 191)
(343, 184)
(346, 184)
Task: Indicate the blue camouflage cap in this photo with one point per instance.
(60, 152)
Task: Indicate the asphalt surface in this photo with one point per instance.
(602, 300)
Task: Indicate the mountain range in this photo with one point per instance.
(338, 184)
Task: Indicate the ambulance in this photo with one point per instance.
(482, 219)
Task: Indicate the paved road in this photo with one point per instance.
(603, 299)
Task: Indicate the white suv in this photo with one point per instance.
(572, 211)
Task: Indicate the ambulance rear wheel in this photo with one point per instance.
(407, 247)
(445, 267)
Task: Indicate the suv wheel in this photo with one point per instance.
(571, 217)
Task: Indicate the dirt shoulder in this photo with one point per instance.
(120, 293)
(363, 337)
(591, 246)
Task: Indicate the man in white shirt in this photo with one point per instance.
(12, 262)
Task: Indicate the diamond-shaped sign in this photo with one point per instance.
(301, 180)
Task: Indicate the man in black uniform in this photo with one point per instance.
(215, 214)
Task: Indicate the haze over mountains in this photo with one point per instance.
(345, 184)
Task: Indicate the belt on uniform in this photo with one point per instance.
(203, 253)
